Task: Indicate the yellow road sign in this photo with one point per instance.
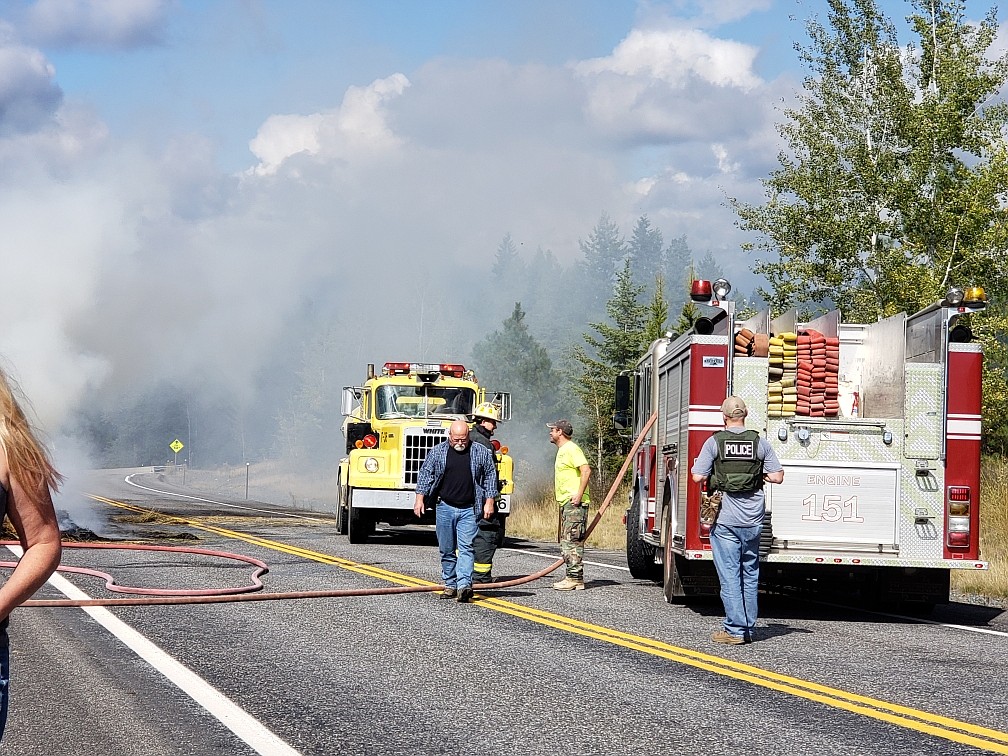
(176, 446)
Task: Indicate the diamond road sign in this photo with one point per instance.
(176, 446)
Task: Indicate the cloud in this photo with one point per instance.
(671, 84)
(96, 24)
(28, 95)
(358, 127)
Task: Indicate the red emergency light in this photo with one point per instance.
(456, 371)
(397, 368)
(700, 291)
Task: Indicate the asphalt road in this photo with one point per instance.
(609, 670)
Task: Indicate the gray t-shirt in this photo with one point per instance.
(740, 510)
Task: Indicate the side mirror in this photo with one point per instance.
(349, 399)
(621, 415)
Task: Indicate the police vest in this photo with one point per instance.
(737, 467)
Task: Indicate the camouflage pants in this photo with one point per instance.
(573, 523)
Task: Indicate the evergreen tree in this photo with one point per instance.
(677, 272)
(603, 253)
(656, 323)
(645, 251)
(506, 261)
(510, 359)
(617, 347)
(709, 269)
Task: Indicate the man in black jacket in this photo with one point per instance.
(490, 530)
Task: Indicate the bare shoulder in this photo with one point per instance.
(4, 468)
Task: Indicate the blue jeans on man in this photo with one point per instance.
(736, 558)
(456, 529)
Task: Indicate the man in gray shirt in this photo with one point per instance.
(737, 462)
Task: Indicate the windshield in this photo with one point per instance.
(422, 401)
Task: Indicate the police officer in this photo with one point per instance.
(490, 531)
(737, 462)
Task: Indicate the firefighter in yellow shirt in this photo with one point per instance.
(571, 475)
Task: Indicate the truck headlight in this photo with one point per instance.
(371, 464)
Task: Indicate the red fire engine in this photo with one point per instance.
(877, 427)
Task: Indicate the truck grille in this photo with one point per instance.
(416, 443)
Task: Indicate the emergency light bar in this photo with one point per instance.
(403, 368)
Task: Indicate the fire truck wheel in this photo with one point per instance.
(360, 524)
(640, 555)
(671, 579)
(341, 502)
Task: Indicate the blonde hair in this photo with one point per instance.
(27, 459)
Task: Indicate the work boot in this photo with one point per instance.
(465, 594)
(448, 593)
(723, 636)
(569, 584)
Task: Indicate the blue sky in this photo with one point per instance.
(192, 169)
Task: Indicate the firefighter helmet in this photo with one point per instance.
(487, 411)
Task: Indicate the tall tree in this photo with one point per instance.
(604, 253)
(892, 189)
(506, 261)
(656, 315)
(617, 346)
(511, 359)
(677, 269)
(645, 250)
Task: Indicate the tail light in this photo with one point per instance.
(957, 529)
(705, 530)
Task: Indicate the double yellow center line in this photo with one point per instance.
(884, 711)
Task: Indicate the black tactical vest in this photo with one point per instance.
(737, 468)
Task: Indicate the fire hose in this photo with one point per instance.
(252, 591)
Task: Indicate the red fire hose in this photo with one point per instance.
(251, 592)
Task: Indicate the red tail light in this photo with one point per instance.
(957, 528)
(705, 530)
(960, 539)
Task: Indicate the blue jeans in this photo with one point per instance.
(4, 675)
(456, 529)
(736, 557)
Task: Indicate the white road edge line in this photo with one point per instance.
(252, 732)
(271, 512)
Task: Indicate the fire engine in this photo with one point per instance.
(877, 427)
(392, 421)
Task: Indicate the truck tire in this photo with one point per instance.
(671, 578)
(640, 555)
(360, 523)
(341, 506)
(766, 536)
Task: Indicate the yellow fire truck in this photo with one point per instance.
(392, 421)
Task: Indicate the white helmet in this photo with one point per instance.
(487, 411)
